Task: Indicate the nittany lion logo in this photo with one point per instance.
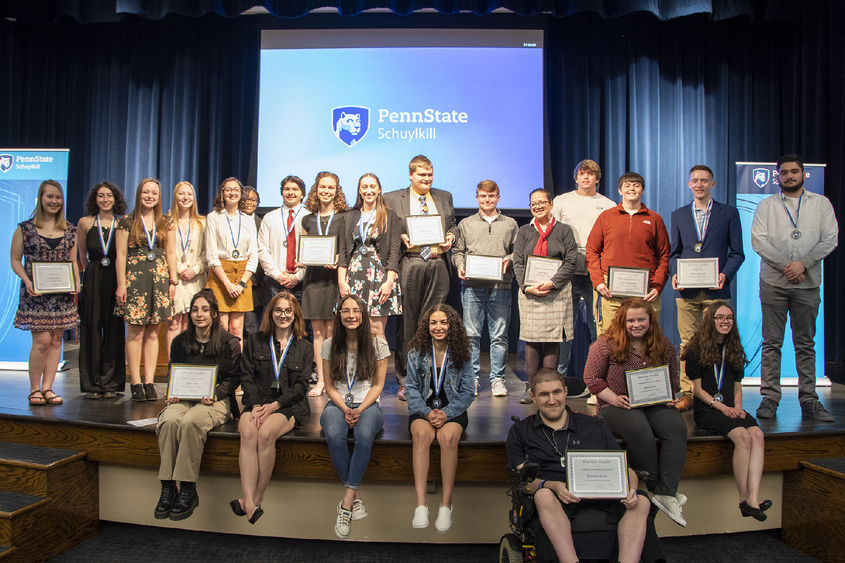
(6, 162)
(350, 124)
(760, 177)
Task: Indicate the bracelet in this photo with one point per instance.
(542, 482)
(711, 403)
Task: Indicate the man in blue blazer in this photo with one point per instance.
(424, 276)
(703, 229)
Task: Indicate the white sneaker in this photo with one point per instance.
(670, 506)
(444, 519)
(358, 510)
(591, 400)
(343, 523)
(498, 387)
(420, 517)
(682, 499)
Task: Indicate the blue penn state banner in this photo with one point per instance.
(21, 172)
(756, 181)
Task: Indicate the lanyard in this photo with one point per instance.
(350, 383)
(365, 228)
(438, 378)
(187, 240)
(229, 222)
(277, 365)
(103, 244)
(702, 231)
(721, 373)
(151, 241)
(293, 221)
(328, 225)
(797, 211)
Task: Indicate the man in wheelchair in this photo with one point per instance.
(543, 439)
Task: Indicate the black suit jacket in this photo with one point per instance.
(388, 243)
(399, 201)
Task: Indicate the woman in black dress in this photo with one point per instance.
(715, 362)
(102, 368)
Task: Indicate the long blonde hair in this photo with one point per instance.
(136, 233)
(174, 206)
(38, 214)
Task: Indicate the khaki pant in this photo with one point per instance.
(606, 310)
(689, 320)
(182, 429)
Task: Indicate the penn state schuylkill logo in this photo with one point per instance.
(760, 177)
(350, 124)
(6, 162)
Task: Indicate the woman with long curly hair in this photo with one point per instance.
(440, 387)
(634, 341)
(355, 363)
(715, 362)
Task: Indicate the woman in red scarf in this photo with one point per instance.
(545, 299)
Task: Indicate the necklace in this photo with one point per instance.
(553, 442)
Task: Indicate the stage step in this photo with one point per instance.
(48, 501)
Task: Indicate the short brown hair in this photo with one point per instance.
(419, 161)
(630, 177)
(587, 165)
(546, 374)
(487, 186)
(701, 167)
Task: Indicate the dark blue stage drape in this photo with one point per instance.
(650, 91)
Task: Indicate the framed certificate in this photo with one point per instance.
(597, 473)
(539, 269)
(424, 230)
(627, 282)
(189, 382)
(480, 267)
(649, 386)
(697, 272)
(316, 250)
(53, 277)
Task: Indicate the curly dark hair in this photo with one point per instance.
(459, 351)
(703, 342)
(119, 207)
(312, 202)
(218, 204)
(365, 351)
(618, 334)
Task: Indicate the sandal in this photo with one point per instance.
(36, 398)
(53, 399)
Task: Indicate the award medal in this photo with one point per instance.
(701, 231)
(292, 223)
(235, 252)
(105, 261)
(328, 225)
(438, 378)
(364, 229)
(796, 232)
(349, 399)
(151, 240)
(719, 375)
(186, 240)
(277, 365)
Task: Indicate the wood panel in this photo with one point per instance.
(813, 515)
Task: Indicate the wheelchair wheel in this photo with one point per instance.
(510, 549)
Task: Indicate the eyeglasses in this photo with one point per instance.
(722, 318)
(283, 312)
(251, 200)
(231, 190)
(538, 204)
(350, 311)
(487, 196)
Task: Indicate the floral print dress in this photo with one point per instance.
(366, 274)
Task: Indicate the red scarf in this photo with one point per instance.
(542, 246)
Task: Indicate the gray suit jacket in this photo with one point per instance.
(400, 202)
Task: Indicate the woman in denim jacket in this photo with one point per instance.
(439, 393)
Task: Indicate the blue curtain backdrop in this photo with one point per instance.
(653, 90)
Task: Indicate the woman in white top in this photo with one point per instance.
(355, 363)
(231, 250)
(190, 256)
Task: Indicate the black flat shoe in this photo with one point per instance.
(256, 515)
(150, 392)
(235, 505)
(756, 513)
(138, 392)
(765, 505)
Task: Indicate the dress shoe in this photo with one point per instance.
(756, 513)
(186, 501)
(256, 515)
(150, 392)
(235, 505)
(138, 392)
(165, 501)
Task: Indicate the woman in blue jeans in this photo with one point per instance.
(440, 387)
(355, 363)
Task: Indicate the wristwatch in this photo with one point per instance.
(242, 283)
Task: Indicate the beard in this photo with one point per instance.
(795, 188)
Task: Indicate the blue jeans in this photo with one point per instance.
(351, 468)
(582, 287)
(495, 304)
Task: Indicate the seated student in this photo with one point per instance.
(276, 366)
(440, 387)
(543, 438)
(355, 363)
(718, 400)
(633, 340)
(183, 426)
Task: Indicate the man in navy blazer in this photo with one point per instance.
(703, 229)
(424, 275)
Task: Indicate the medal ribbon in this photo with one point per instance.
(277, 365)
(350, 383)
(151, 242)
(292, 222)
(365, 228)
(328, 225)
(438, 378)
(797, 211)
(701, 232)
(187, 240)
(231, 233)
(103, 244)
(721, 373)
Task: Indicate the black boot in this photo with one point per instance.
(186, 502)
(165, 501)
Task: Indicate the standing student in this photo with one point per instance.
(355, 363)
(45, 237)
(190, 256)
(102, 367)
(146, 282)
(231, 251)
(252, 319)
(703, 229)
(183, 426)
(545, 307)
(368, 262)
(327, 204)
(440, 388)
(424, 270)
(793, 231)
(488, 233)
(275, 368)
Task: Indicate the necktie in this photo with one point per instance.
(425, 251)
(291, 244)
